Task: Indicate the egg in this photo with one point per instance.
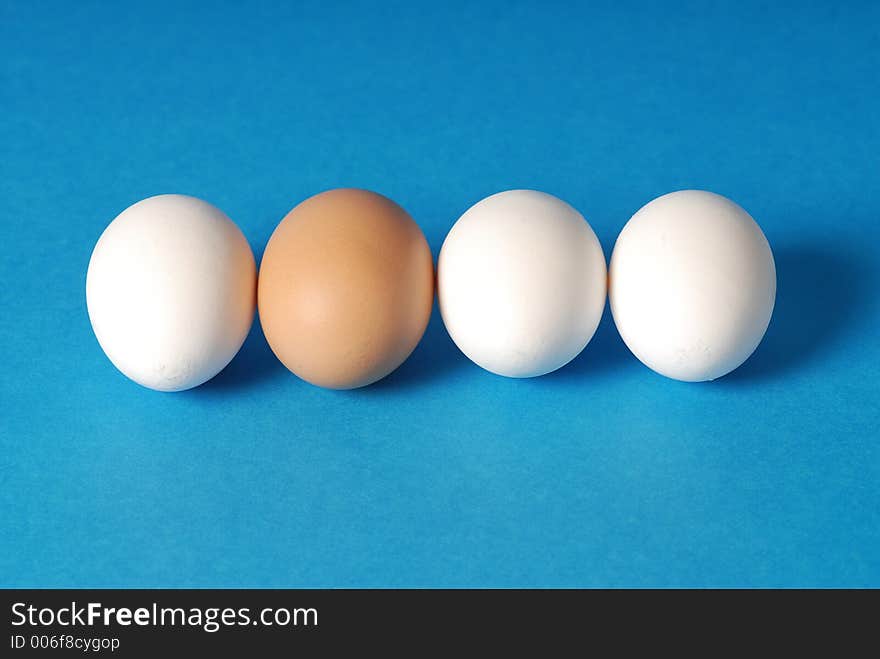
(521, 283)
(346, 288)
(171, 291)
(692, 284)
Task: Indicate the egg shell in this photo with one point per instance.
(171, 291)
(346, 288)
(692, 285)
(521, 283)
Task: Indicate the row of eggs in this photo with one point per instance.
(346, 287)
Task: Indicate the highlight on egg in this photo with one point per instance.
(171, 291)
(346, 288)
(692, 285)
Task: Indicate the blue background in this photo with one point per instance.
(600, 474)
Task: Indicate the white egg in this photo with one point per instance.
(521, 281)
(692, 285)
(171, 291)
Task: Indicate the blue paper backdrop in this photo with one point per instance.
(603, 473)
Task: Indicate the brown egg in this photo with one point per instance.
(346, 288)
